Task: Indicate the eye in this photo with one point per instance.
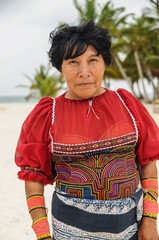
(72, 62)
(93, 60)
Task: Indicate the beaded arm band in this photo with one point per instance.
(150, 184)
(150, 205)
(40, 225)
(41, 228)
(35, 201)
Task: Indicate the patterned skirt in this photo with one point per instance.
(76, 218)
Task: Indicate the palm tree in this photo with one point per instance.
(152, 16)
(135, 41)
(139, 36)
(89, 10)
(43, 84)
(108, 17)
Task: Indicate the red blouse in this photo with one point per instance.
(65, 121)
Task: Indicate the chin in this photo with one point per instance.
(86, 95)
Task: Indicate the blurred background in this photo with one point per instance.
(24, 42)
(26, 76)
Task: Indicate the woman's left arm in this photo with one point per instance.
(148, 228)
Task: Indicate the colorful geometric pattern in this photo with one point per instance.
(30, 169)
(94, 146)
(101, 175)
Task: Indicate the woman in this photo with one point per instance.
(99, 146)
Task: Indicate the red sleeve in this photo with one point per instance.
(32, 152)
(148, 144)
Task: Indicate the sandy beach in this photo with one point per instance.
(15, 222)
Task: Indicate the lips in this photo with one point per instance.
(87, 84)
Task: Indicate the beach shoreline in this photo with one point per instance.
(15, 222)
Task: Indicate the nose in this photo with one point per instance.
(84, 71)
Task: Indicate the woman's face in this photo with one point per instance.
(84, 74)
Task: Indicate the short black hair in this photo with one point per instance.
(72, 41)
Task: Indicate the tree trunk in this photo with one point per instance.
(141, 76)
(158, 87)
(138, 86)
(123, 73)
(150, 77)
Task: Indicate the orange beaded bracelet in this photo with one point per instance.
(150, 204)
(150, 207)
(41, 228)
(35, 201)
(40, 225)
(150, 184)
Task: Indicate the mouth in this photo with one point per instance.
(87, 84)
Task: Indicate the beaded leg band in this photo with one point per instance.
(150, 205)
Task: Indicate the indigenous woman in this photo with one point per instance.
(99, 146)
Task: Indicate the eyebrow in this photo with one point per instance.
(92, 55)
(95, 55)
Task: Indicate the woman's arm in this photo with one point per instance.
(34, 188)
(148, 228)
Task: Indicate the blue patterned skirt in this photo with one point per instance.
(76, 218)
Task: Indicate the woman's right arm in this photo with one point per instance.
(35, 161)
(33, 189)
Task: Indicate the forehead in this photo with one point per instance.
(89, 51)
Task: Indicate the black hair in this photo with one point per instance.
(72, 41)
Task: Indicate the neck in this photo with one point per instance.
(69, 95)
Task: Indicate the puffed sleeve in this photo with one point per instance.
(33, 149)
(147, 148)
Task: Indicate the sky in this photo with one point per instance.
(24, 32)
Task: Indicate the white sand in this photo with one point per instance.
(15, 222)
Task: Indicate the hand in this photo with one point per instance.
(148, 229)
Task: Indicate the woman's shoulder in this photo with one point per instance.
(120, 91)
(41, 113)
(44, 110)
(44, 102)
(128, 98)
(125, 93)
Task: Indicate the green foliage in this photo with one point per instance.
(43, 84)
(135, 43)
(89, 11)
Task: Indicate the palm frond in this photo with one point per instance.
(79, 8)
